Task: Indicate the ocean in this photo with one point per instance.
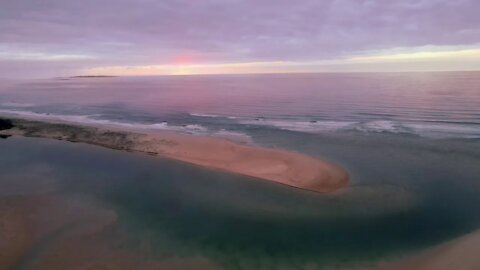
(410, 141)
(433, 105)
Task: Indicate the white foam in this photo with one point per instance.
(429, 130)
(47, 116)
(204, 115)
(196, 127)
(90, 120)
(233, 135)
(162, 125)
(211, 115)
(445, 130)
(381, 126)
(302, 126)
(16, 104)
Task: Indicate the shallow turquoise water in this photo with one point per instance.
(407, 193)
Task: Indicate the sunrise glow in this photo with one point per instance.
(439, 59)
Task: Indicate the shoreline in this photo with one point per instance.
(280, 166)
(459, 253)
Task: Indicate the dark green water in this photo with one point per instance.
(407, 193)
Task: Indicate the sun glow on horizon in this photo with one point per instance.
(414, 60)
(420, 55)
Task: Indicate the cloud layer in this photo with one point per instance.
(96, 33)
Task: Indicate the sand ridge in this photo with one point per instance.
(281, 166)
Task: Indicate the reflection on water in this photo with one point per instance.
(435, 104)
(122, 208)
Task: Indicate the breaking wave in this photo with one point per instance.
(417, 128)
(93, 120)
(206, 115)
(424, 129)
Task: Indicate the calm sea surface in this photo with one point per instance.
(410, 142)
(436, 105)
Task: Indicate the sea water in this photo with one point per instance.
(434, 105)
(411, 188)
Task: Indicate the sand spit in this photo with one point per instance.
(288, 168)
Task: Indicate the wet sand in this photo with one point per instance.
(461, 253)
(284, 167)
(49, 232)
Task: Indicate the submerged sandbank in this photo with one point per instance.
(460, 253)
(288, 168)
(51, 232)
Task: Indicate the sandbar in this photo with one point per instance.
(277, 165)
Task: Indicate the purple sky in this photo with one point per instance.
(62, 37)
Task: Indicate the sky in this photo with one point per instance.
(51, 38)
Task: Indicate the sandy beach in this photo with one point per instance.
(284, 167)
